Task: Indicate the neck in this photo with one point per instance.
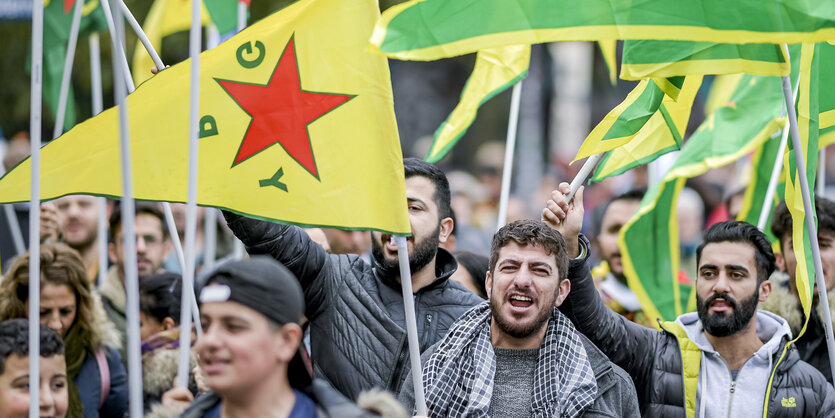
(89, 253)
(423, 277)
(736, 349)
(272, 399)
(501, 339)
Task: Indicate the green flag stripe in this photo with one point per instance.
(637, 113)
(443, 28)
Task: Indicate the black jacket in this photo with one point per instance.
(329, 403)
(357, 320)
(654, 358)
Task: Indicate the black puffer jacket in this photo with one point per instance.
(655, 361)
(357, 320)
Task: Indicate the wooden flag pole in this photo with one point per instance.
(34, 204)
(65, 76)
(810, 227)
(195, 44)
(510, 148)
(411, 322)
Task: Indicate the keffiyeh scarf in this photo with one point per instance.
(458, 376)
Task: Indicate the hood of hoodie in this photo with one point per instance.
(716, 387)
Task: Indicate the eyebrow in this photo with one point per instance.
(727, 267)
(25, 376)
(415, 199)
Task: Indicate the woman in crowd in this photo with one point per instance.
(97, 379)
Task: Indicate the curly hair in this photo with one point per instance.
(60, 266)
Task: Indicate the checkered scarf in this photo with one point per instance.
(459, 375)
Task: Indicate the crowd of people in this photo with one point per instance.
(534, 320)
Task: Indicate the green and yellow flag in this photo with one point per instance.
(224, 14)
(58, 15)
(296, 125)
(164, 18)
(808, 109)
(649, 242)
(495, 70)
(434, 29)
(826, 83)
(661, 133)
(648, 58)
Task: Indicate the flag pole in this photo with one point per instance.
(128, 228)
(510, 148)
(34, 204)
(810, 227)
(411, 322)
(241, 16)
(65, 77)
(583, 174)
(98, 105)
(209, 238)
(772, 181)
(125, 70)
(141, 35)
(195, 43)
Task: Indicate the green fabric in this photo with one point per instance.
(638, 113)
(419, 24)
(77, 344)
(56, 34)
(224, 14)
(651, 58)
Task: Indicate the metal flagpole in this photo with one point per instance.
(778, 168)
(810, 227)
(209, 238)
(65, 77)
(195, 43)
(141, 35)
(510, 148)
(241, 16)
(34, 205)
(128, 229)
(98, 104)
(411, 322)
(583, 174)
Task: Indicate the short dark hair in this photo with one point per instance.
(531, 232)
(417, 167)
(14, 339)
(600, 211)
(476, 265)
(149, 208)
(159, 296)
(781, 220)
(739, 231)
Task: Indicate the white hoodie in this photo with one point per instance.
(718, 394)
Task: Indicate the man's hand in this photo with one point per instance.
(177, 397)
(50, 222)
(565, 217)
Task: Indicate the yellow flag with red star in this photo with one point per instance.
(296, 125)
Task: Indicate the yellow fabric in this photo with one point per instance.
(359, 181)
(655, 135)
(495, 70)
(164, 18)
(691, 357)
(609, 50)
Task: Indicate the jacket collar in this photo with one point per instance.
(445, 265)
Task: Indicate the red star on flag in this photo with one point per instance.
(281, 111)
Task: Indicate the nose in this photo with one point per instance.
(53, 321)
(722, 284)
(207, 341)
(523, 279)
(141, 246)
(46, 400)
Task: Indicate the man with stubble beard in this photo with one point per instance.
(357, 320)
(728, 359)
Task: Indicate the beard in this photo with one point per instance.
(424, 252)
(723, 325)
(523, 330)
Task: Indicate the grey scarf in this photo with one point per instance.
(458, 377)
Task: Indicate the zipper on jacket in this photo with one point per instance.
(731, 397)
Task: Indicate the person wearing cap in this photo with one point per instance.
(250, 352)
(357, 320)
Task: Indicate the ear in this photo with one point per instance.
(562, 292)
(111, 252)
(765, 290)
(488, 284)
(288, 338)
(446, 229)
(168, 323)
(781, 262)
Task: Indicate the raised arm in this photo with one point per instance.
(629, 345)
